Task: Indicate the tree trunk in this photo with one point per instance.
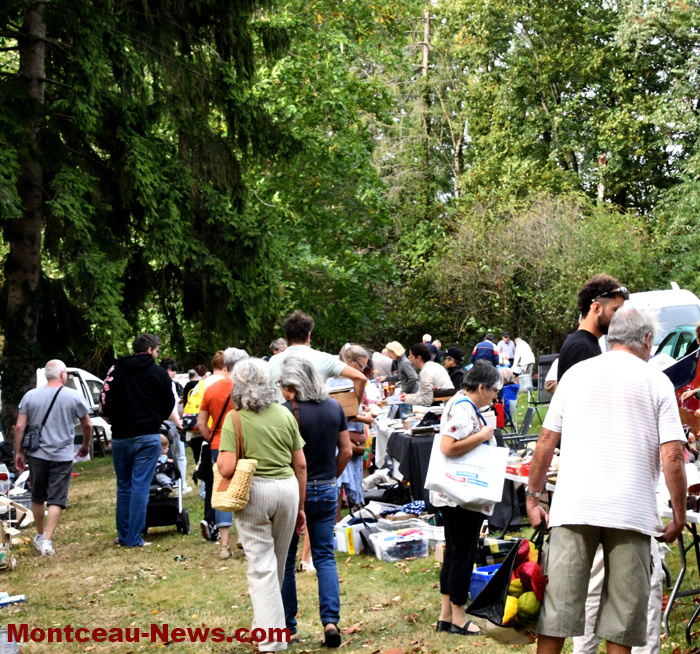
(23, 263)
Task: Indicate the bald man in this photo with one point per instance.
(53, 410)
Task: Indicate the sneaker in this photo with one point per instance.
(46, 548)
(225, 552)
(186, 489)
(38, 540)
(206, 530)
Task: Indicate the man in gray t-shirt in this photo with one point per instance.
(51, 465)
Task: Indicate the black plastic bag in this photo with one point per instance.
(490, 603)
(492, 551)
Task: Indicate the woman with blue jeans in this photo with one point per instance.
(324, 428)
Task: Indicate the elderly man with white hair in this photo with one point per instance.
(616, 417)
(52, 410)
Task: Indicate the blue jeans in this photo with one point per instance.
(223, 518)
(321, 507)
(134, 462)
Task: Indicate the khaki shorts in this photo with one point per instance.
(622, 617)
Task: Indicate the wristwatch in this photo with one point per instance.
(535, 494)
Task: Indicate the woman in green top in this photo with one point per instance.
(277, 494)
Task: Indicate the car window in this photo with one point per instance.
(95, 388)
(666, 346)
(685, 340)
(671, 317)
(74, 383)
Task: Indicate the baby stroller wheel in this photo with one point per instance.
(183, 523)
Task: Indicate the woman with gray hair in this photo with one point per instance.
(266, 525)
(323, 427)
(462, 429)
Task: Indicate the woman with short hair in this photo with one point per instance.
(323, 427)
(462, 523)
(277, 493)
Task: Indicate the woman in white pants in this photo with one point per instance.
(277, 494)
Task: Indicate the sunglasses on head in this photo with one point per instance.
(620, 290)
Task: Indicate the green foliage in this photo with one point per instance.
(519, 268)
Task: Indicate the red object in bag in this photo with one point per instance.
(500, 415)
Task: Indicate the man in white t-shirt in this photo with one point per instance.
(616, 417)
(524, 358)
(297, 331)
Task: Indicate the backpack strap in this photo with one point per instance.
(221, 415)
(46, 417)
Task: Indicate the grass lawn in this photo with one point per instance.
(180, 581)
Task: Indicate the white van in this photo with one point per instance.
(90, 387)
(674, 307)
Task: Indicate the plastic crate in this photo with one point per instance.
(481, 577)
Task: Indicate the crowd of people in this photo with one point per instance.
(613, 417)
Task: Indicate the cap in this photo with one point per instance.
(455, 353)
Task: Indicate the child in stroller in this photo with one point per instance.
(165, 477)
(165, 495)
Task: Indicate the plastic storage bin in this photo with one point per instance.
(481, 577)
(396, 546)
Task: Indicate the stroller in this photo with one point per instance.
(164, 501)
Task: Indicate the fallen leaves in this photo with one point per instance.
(411, 618)
(354, 628)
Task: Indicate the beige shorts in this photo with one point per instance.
(622, 617)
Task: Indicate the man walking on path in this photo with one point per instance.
(598, 300)
(54, 410)
(616, 417)
(136, 398)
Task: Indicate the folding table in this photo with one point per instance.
(692, 520)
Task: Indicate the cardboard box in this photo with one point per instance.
(348, 400)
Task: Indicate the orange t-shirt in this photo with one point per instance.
(213, 403)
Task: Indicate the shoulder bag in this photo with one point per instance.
(32, 436)
(233, 494)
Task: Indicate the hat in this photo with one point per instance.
(396, 348)
(455, 353)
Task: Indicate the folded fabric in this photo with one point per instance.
(417, 507)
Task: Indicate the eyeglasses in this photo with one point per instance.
(620, 290)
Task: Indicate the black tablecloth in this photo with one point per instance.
(413, 455)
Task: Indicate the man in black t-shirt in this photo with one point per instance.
(598, 300)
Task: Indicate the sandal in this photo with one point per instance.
(443, 625)
(464, 631)
(293, 640)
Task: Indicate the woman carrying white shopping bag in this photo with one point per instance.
(462, 476)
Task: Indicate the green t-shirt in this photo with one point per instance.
(269, 436)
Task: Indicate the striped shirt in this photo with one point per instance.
(613, 412)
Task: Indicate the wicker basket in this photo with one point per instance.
(233, 494)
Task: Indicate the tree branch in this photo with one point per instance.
(56, 83)
(163, 55)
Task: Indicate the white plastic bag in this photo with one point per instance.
(475, 478)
